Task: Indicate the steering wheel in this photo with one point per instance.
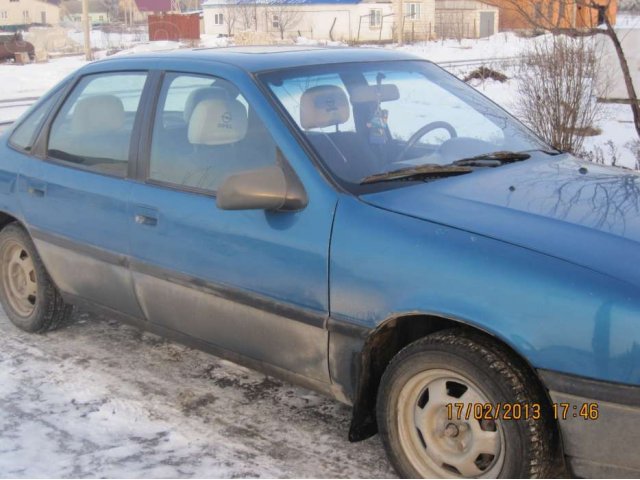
(429, 127)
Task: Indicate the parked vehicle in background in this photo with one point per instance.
(356, 221)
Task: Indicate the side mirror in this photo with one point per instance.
(268, 188)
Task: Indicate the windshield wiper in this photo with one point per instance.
(493, 159)
(459, 167)
(420, 171)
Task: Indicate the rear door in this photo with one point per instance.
(251, 282)
(75, 199)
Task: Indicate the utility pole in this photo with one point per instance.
(400, 24)
(86, 26)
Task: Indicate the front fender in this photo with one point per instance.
(555, 314)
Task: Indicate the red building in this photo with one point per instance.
(526, 14)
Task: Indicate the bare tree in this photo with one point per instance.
(230, 17)
(282, 17)
(635, 149)
(560, 16)
(248, 15)
(450, 24)
(559, 87)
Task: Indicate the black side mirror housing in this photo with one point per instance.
(269, 188)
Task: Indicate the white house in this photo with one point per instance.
(466, 19)
(339, 20)
(18, 13)
(348, 20)
(98, 11)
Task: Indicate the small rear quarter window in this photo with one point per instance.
(24, 135)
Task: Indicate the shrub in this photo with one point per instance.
(559, 90)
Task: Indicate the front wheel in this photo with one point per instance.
(28, 296)
(437, 411)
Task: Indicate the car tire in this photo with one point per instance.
(426, 439)
(28, 296)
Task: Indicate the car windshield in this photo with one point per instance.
(365, 119)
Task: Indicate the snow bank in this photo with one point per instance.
(110, 40)
(150, 47)
(213, 41)
(311, 42)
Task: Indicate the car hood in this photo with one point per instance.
(577, 211)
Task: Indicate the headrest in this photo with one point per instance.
(323, 106)
(98, 113)
(373, 93)
(217, 121)
(199, 94)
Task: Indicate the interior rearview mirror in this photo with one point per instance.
(268, 188)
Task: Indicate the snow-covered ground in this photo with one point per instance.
(102, 399)
(501, 45)
(32, 80)
(628, 20)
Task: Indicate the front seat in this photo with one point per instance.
(171, 144)
(216, 128)
(347, 154)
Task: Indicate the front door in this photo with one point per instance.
(76, 201)
(487, 22)
(250, 282)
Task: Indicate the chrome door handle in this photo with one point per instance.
(146, 220)
(36, 192)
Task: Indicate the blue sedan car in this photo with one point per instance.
(356, 221)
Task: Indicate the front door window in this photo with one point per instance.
(205, 131)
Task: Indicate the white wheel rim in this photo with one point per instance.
(439, 446)
(19, 279)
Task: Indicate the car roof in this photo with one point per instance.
(263, 58)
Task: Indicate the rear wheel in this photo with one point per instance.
(28, 295)
(430, 411)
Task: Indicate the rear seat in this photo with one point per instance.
(97, 133)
